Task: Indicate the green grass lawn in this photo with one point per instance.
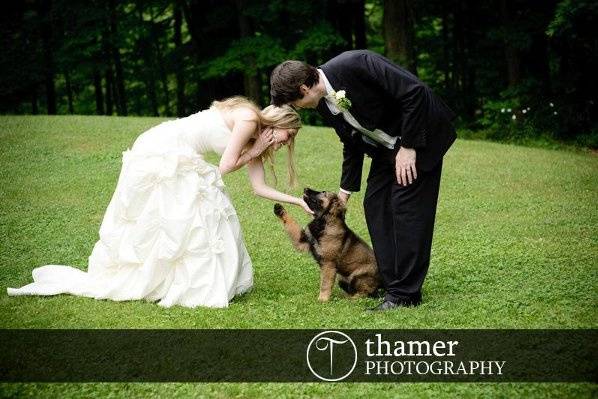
(515, 246)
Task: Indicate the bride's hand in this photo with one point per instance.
(303, 204)
(264, 140)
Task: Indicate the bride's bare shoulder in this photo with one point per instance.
(240, 115)
(244, 114)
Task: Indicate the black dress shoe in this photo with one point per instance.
(388, 305)
(384, 305)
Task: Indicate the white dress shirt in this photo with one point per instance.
(376, 137)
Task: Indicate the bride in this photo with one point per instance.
(170, 233)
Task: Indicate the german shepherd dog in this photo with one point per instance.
(336, 248)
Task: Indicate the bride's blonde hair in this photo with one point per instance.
(283, 117)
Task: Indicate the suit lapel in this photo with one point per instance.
(336, 121)
(333, 79)
(357, 110)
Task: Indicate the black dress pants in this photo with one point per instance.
(400, 221)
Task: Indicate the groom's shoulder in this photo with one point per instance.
(352, 57)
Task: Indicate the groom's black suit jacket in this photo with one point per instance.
(387, 97)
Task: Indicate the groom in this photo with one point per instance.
(382, 110)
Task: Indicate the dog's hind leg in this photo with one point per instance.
(295, 232)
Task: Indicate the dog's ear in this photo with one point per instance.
(337, 207)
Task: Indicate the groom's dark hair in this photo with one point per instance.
(286, 79)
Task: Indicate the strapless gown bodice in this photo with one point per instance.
(204, 132)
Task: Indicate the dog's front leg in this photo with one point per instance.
(327, 276)
(292, 228)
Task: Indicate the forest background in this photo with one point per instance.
(519, 71)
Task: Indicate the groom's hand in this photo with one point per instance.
(405, 166)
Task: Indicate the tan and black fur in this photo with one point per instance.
(336, 248)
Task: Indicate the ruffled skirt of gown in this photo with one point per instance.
(170, 234)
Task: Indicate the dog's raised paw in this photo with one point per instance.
(278, 210)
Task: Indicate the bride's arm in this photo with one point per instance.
(233, 156)
(255, 169)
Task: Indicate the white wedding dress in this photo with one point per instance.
(170, 233)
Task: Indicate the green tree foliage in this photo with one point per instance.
(173, 57)
(572, 33)
(262, 51)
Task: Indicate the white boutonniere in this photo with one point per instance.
(341, 100)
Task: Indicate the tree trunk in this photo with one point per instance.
(196, 37)
(399, 36)
(458, 55)
(463, 72)
(151, 92)
(537, 62)
(44, 8)
(154, 38)
(109, 73)
(97, 84)
(445, 47)
(109, 91)
(147, 72)
(347, 17)
(34, 108)
(359, 25)
(151, 88)
(511, 53)
(537, 59)
(252, 86)
(120, 82)
(178, 62)
(333, 12)
(343, 16)
(251, 81)
(192, 17)
(69, 91)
